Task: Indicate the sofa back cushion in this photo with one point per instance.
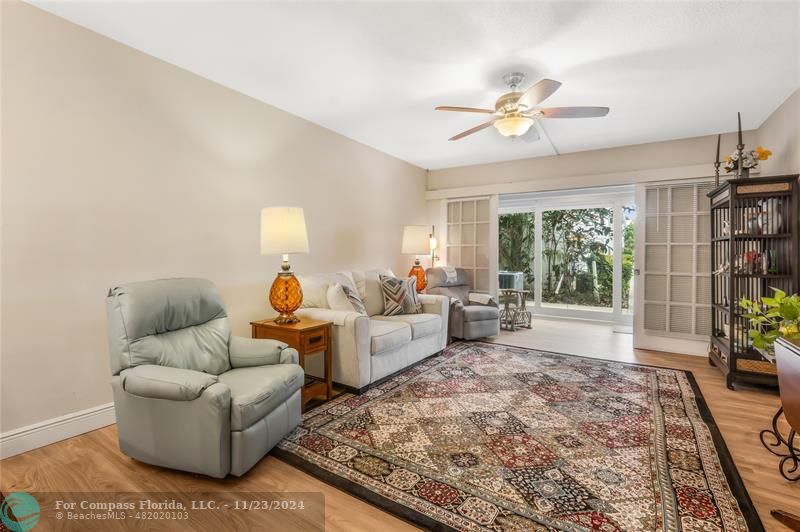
(342, 297)
(365, 283)
(180, 323)
(315, 287)
(369, 288)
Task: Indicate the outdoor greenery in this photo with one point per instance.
(516, 244)
(577, 254)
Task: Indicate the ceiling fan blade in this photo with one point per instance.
(532, 135)
(473, 130)
(538, 93)
(574, 112)
(464, 109)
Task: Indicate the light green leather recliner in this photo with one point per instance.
(187, 394)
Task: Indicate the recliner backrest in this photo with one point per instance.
(181, 323)
(438, 284)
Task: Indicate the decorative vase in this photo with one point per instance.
(285, 296)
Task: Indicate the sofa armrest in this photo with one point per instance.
(338, 317)
(435, 304)
(351, 356)
(164, 382)
(248, 352)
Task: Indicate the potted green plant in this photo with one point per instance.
(772, 318)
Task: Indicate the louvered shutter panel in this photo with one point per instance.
(677, 261)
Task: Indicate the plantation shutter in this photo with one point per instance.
(677, 260)
(468, 239)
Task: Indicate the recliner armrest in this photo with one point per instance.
(477, 298)
(249, 352)
(164, 382)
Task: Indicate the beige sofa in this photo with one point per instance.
(369, 348)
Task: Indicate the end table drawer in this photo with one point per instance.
(314, 341)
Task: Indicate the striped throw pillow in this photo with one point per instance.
(399, 296)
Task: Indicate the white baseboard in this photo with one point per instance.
(681, 346)
(52, 430)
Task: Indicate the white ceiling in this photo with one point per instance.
(375, 71)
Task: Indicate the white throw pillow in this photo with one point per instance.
(337, 299)
(342, 297)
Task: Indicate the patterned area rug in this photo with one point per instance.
(492, 437)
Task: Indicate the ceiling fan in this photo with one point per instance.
(514, 112)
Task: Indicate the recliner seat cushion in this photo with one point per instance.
(385, 334)
(421, 324)
(256, 391)
(480, 313)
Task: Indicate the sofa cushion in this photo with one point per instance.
(315, 291)
(480, 313)
(385, 334)
(369, 288)
(342, 297)
(315, 287)
(421, 324)
(256, 391)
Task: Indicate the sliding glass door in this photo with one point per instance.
(572, 251)
(577, 258)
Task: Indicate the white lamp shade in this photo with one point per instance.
(416, 240)
(283, 230)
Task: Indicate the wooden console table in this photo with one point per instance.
(308, 337)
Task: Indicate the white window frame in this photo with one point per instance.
(600, 197)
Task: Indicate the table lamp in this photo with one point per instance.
(416, 241)
(283, 231)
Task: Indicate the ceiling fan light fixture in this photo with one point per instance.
(513, 126)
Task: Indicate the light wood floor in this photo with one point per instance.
(92, 461)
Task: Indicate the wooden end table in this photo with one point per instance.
(308, 337)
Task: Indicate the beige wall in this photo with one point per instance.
(674, 159)
(118, 167)
(781, 134)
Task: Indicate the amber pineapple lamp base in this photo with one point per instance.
(418, 272)
(286, 295)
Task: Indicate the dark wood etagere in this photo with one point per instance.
(754, 247)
